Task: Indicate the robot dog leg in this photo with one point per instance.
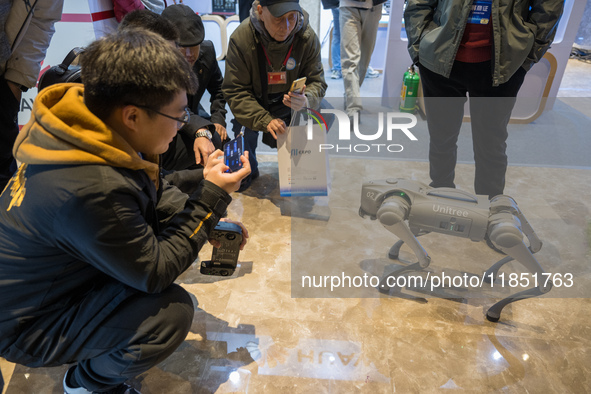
(392, 214)
(507, 226)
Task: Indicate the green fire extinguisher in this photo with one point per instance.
(410, 90)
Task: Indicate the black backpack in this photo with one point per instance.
(65, 72)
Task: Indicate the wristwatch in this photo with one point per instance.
(203, 133)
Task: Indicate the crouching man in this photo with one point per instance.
(91, 239)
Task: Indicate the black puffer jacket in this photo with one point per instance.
(84, 209)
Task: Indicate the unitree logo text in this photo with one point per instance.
(392, 120)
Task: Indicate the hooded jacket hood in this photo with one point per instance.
(63, 131)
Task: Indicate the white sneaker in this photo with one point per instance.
(336, 74)
(371, 73)
(70, 390)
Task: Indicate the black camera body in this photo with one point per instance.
(225, 258)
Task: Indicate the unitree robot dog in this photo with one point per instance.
(410, 208)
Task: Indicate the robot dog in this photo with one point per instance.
(409, 209)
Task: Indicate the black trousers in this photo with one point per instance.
(9, 107)
(490, 111)
(110, 344)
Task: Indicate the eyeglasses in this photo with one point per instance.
(180, 121)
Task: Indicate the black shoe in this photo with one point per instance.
(255, 174)
(123, 388)
(245, 184)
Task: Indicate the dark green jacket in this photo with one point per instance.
(242, 80)
(521, 36)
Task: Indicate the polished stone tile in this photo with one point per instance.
(251, 336)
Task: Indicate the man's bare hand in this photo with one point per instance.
(203, 148)
(276, 126)
(221, 130)
(215, 172)
(296, 101)
(15, 90)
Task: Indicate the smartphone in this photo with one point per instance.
(298, 85)
(232, 152)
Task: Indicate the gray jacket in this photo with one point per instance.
(521, 36)
(26, 37)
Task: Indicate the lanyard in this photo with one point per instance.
(286, 57)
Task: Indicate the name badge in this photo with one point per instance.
(290, 64)
(276, 78)
(480, 13)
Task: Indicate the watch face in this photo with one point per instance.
(204, 133)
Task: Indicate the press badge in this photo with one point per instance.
(480, 13)
(276, 78)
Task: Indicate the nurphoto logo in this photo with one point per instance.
(346, 129)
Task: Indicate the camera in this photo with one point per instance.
(225, 258)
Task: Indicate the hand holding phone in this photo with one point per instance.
(295, 99)
(232, 152)
(298, 85)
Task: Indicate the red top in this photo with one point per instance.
(476, 45)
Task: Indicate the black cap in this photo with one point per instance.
(187, 22)
(279, 8)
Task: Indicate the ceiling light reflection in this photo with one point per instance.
(234, 377)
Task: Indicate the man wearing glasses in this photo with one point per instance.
(180, 122)
(91, 238)
(183, 161)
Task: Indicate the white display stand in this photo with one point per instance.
(215, 31)
(541, 83)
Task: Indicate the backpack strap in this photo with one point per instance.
(70, 57)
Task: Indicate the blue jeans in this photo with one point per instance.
(335, 47)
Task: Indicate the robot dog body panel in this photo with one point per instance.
(443, 210)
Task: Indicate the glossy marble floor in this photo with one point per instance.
(251, 334)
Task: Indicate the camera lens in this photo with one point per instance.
(231, 237)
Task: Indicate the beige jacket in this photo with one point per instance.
(29, 28)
